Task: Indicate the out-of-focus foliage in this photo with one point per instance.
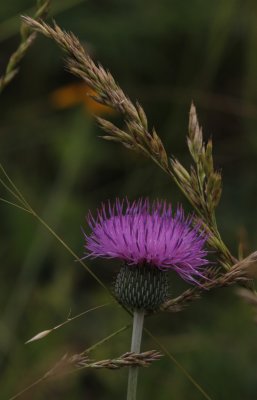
(163, 53)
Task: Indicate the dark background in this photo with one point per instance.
(164, 53)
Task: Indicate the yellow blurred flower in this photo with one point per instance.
(78, 93)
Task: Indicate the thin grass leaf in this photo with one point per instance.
(14, 204)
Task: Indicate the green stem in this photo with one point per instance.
(138, 322)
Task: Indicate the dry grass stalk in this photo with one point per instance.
(27, 38)
(201, 185)
(69, 364)
(237, 274)
(80, 361)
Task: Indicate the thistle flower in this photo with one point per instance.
(149, 240)
(138, 233)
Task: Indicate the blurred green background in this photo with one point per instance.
(164, 53)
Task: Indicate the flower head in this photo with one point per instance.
(139, 233)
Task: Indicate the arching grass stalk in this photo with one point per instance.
(201, 184)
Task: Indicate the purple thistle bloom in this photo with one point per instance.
(138, 233)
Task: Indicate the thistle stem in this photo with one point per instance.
(138, 322)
